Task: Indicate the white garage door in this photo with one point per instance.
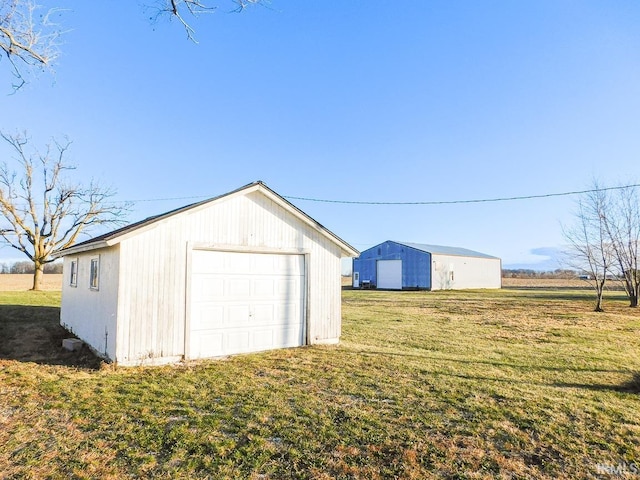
(390, 274)
(245, 302)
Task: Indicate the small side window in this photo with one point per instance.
(94, 274)
(73, 274)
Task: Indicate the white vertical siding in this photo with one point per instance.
(152, 285)
(468, 272)
(91, 314)
(152, 289)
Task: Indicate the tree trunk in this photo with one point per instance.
(599, 293)
(37, 276)
(598, 303)
(631, 288)
(633, 299)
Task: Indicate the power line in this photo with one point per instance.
(360, 202)
(167, 199)
(450, 202)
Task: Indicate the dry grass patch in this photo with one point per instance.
(557, 283)
(21, 282)
(481, 384)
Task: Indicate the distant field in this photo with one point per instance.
(555, 283)
(25, 282)
(545, 283)
(512, 383)
(532, 283)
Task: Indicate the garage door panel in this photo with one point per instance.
(264, 314)
(263, 287)
(263, 339)
(235, 315)
(208, 264)
(238, 287)
(201, 318)
(262, 264)
(206, 345)
(289, 287)
(252, 301)
(289, 310)
(286, 264)
(289, 337)
(237, 341)
(212, 289)
(238, 263)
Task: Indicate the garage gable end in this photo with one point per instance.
(137, 228)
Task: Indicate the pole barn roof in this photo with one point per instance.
(442, 250)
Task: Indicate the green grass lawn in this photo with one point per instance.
(481, 384)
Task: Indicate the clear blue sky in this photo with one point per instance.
(356, 100)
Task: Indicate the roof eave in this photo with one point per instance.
(82, 248)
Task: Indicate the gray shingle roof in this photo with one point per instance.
(442, 250)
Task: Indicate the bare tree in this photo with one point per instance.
(622, 223)
(606, 238)
(41, 211)
(28, 37)
(590, 248)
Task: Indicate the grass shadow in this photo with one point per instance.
(630, 386)
(33, 334)
(517, 366)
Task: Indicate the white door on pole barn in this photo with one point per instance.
(245, 302)
(389, 274)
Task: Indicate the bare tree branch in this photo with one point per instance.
(242, 4)
(29, 39)
(39, 229)
(185, 10)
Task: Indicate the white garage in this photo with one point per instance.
(243, 272)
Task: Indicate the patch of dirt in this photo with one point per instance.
(34, 334)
